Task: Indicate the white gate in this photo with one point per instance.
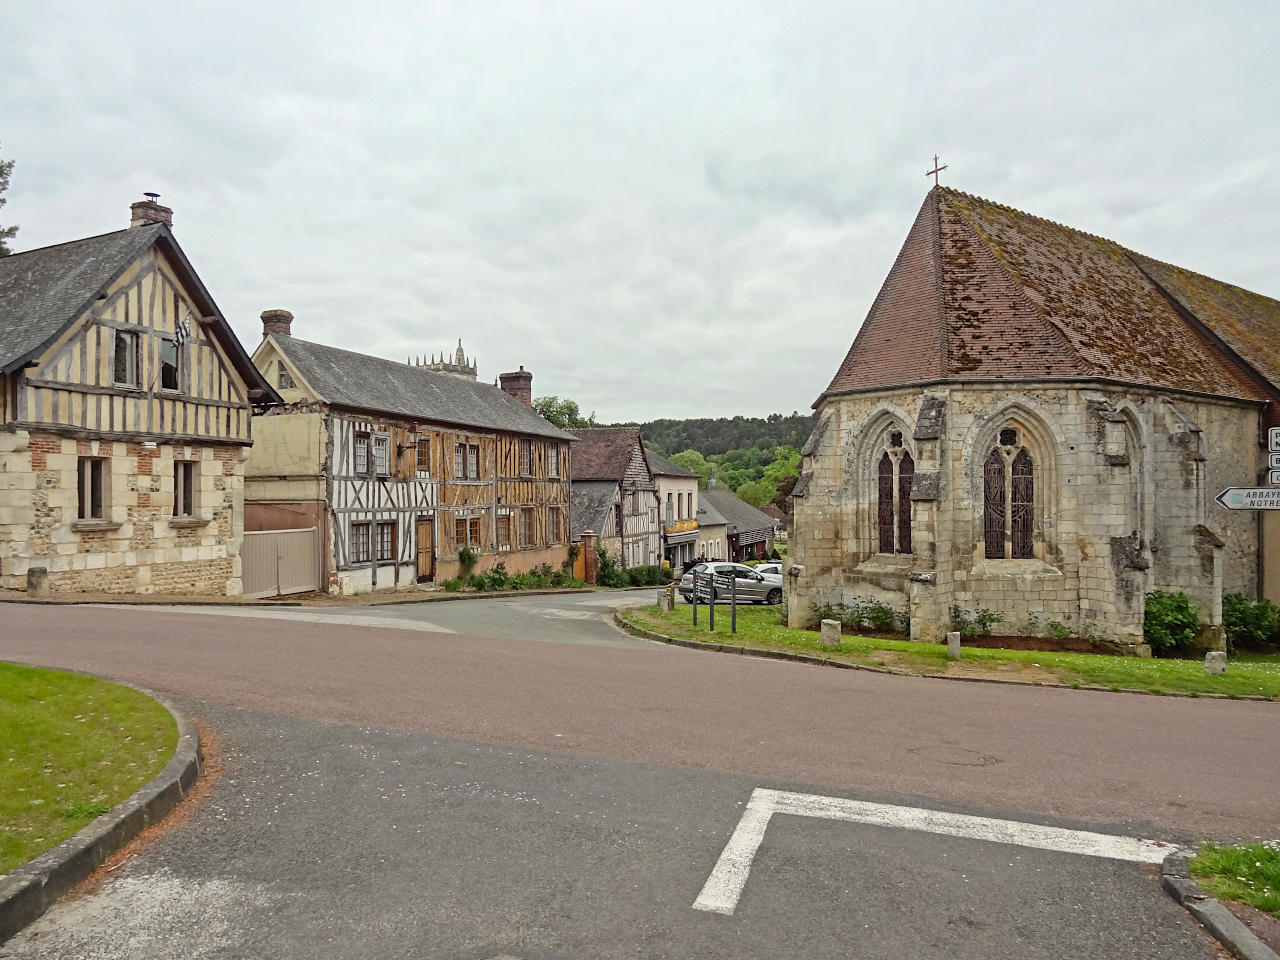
(278, 562)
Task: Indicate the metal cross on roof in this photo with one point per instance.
(936, 170)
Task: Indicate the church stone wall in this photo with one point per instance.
(1124, 487)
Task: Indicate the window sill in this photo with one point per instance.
(1033, 569)
(181, 522)
(95, 526)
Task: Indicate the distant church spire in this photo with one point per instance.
(460, 366)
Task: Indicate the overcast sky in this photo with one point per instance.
(660, 209)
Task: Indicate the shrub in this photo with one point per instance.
(467, 559)
(824, 611)
(571, 558)
(1250, 623)
(608, 573)
(646, 576)
(453, 583)
(1057, 630)
(1169, 621)
(977, 624)
(774, 555)
(879, 616)
(560, 578)
(851, 615)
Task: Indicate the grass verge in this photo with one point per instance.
(71, 748)
(761, 627)
(1249, 873)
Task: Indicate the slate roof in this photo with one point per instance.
(589, 505)
(348, 379)
(661, 466)
(982, 291)
(708, 515)
(738, 514)
(602, 453)
(44, 291)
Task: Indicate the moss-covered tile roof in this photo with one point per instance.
(982, 291)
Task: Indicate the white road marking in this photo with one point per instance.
(268, 613)
(559, 613)
(724, 887)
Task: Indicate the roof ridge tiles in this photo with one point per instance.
(66, 243)
(1032, 216)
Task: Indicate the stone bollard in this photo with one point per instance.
(37, 581)
(664, 601)
(830, 635)
(1215, 661)
(953, 645)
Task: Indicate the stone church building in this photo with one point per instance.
(1035, 421)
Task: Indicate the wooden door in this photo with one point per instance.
(426, 551)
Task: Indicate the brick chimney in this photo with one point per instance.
(148, 211)
(279, 322)
(519, 385)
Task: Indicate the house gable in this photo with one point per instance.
(144, 359)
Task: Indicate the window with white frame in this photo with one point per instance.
(526, 526)
(553, 460)
(381, 456)
(526, 458)
(504, 532)
(473, 462)
(92, 488)
(459, 460)
(362, 454)
(184, 488)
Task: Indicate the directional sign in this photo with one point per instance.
(1273, 461)
(1273, 477)
(1273, 439)
(1250, 498)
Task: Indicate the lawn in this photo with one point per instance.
(71, 748)
(761, 627)
(1249, 873)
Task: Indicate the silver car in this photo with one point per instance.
(751, 587)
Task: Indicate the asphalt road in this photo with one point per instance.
(537, 785)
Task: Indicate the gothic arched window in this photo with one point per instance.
(1008, 488)
(895, 473)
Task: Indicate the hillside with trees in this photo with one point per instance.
(710, 437)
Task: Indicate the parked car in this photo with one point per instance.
(774, 568)
(752, 585)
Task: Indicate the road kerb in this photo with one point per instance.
(1228, 929)
(32, 888)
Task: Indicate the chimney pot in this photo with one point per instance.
(279, 322)
(519, 384)
(148, 211)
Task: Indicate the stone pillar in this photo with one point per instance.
(953, 645)
(664, 601)
(37, 582)
(1215, 661)
(830, 635)
(590, 560)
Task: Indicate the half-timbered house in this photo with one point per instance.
(125, 404)
(404, 465)
(615, 495)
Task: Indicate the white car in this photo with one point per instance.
(773, 568)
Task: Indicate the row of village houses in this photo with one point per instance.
(143, 450)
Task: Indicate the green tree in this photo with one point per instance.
(6, 233)
(565, 413)
(757, 492)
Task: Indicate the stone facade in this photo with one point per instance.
(138, 546)
(1123, 481)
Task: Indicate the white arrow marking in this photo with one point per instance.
(724, 887)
